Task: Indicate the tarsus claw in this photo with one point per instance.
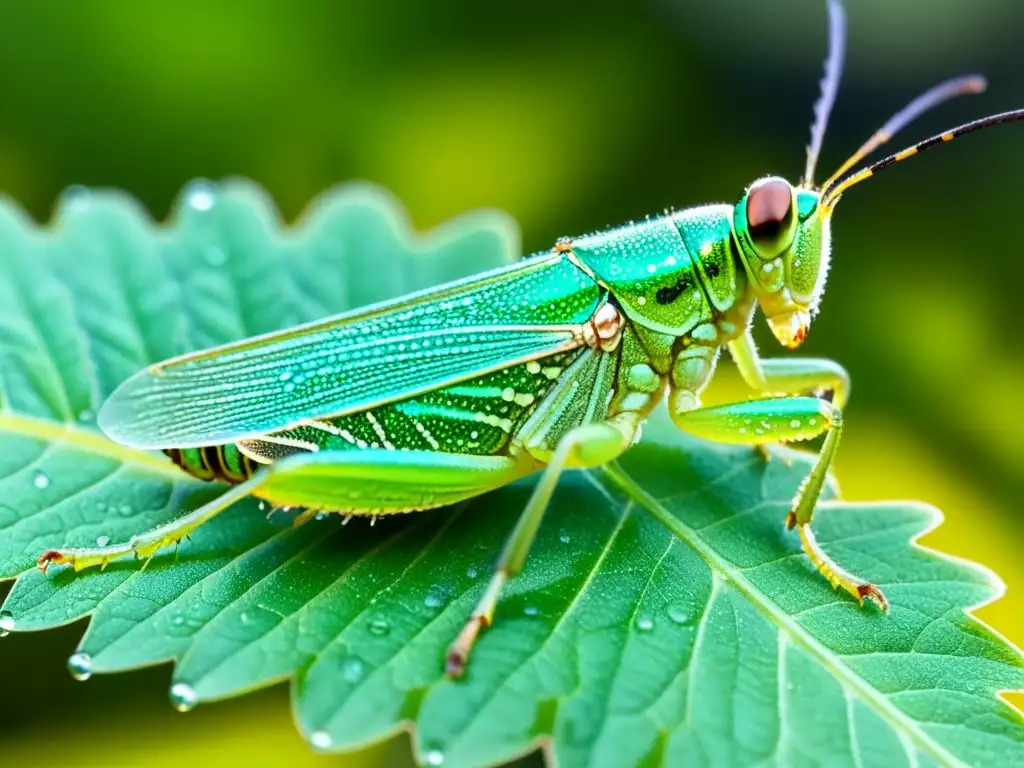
(874, 594)
(454, 664)
(458, 651)
(50, 557)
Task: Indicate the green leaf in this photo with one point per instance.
(664, 617)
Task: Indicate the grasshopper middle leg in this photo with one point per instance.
(585, 446)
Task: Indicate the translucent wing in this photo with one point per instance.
(356, 360)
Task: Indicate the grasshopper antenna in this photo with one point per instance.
(829, 87)
(831, 194)
(958, 86)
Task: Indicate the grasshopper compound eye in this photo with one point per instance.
(766, 217)
(769, 210)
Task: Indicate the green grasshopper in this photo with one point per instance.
(551, 363)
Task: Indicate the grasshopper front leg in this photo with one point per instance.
(758, 422)
(777, 419)
(790, 375)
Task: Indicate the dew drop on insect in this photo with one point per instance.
(352, 669)
(244, 617)
(7, 623)
(321, 740)
(433, 757)
(433, 600)
(80, 665)
(320, 516)
(472, 572)
(679, 614)
(379, 627)
(183, 697)
(200, 196)
(178, 620)
(41, 480)
(644, 623)
(564, 538)
(102, 541)
(530, 610)
(86, 416)
(125, 510)
(262, 506)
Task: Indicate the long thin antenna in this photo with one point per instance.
(832, 193)
(829, 86)
(958, 86)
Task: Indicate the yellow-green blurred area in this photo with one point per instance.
(573, 117)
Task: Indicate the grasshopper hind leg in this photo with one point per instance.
(146, 545)
(369, 482)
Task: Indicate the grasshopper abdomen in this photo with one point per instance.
(214, 462)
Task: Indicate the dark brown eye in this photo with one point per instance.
(769, 209)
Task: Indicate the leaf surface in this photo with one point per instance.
(664, 617)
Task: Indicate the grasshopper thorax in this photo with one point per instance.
(783, 238)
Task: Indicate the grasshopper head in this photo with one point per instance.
(783, 231)
(783, 238)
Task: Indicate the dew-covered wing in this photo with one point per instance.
(354, 361)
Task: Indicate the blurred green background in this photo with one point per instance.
(572, 117)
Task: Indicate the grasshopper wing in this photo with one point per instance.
(356, 360)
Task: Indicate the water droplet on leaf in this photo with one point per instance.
(76, 198)
(644, 623)
(352, 669)
(433, 600)
(321, 740)
(379, 627)
(7, 623)
(80, 665)
(564, 538)
(183, 697)
(472, 573)
(434, 757)
(679, 614)
(215, 257)
(102, 541)
(201, 196)
(530, 610)
(41, 480)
